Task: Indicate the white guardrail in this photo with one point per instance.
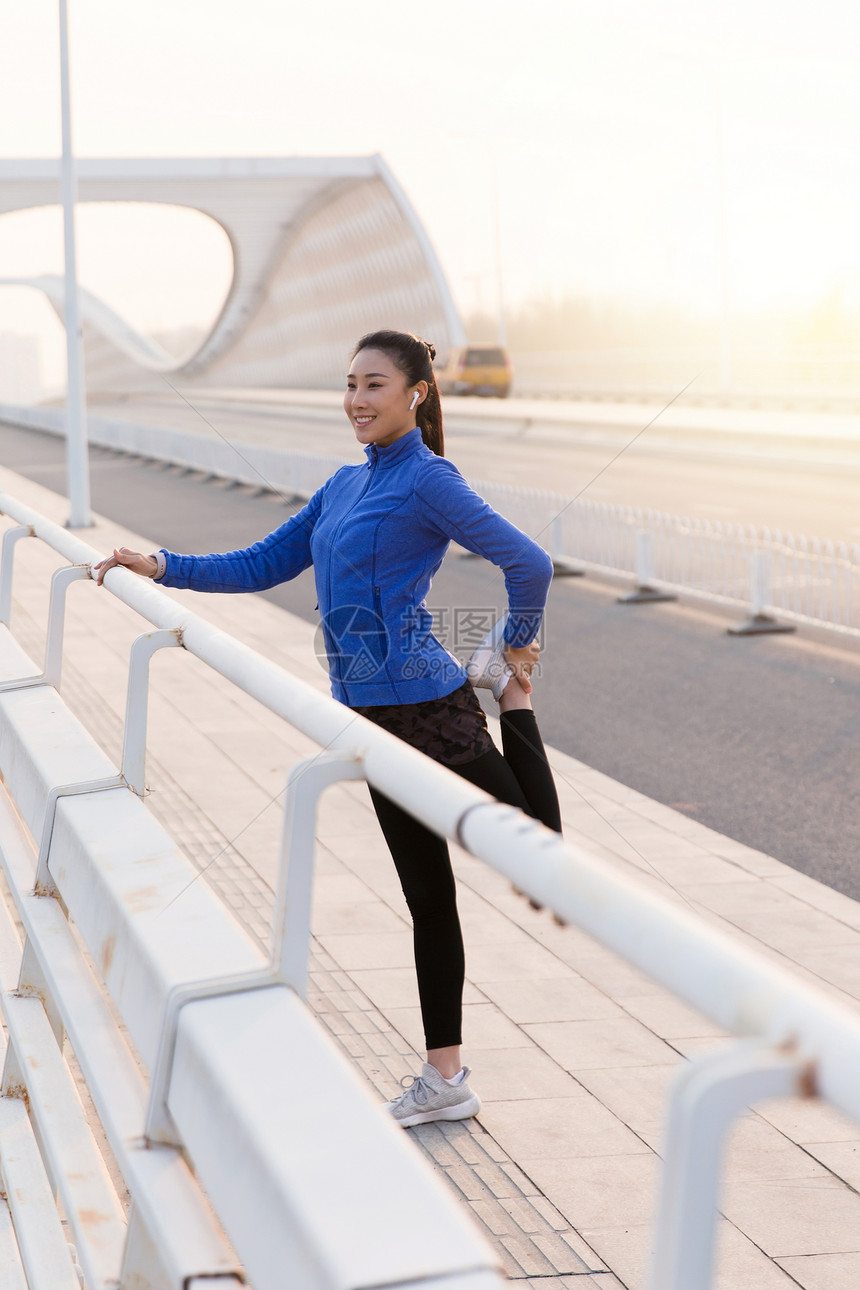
(776, 579)
(248, 1146)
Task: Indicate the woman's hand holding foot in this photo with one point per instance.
(522, 663)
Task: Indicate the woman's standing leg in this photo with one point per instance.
(522, 778)
(424, 868)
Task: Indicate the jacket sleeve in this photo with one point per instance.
(277, 558)
(452, 508)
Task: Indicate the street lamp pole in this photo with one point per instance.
(77, 454)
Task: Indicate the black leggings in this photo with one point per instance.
(521, 777)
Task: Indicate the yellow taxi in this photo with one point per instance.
(477, 369)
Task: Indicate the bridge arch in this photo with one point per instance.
(323, 249)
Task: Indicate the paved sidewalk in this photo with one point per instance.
(572, 1049)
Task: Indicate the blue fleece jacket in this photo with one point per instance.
(376, 534)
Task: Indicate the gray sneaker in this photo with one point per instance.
(430, 1097)
(487, 669)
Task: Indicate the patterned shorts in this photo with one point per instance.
(451, 730)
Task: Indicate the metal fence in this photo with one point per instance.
(218, 1142)
(768, 574)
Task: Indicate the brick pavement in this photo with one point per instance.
(572, 1049)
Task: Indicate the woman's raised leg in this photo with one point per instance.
(521, 774)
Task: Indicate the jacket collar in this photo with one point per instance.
(403, 447)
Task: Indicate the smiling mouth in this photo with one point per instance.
(363, 421)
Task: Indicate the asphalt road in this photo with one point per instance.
(758, 738)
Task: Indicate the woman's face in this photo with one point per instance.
(377, 399)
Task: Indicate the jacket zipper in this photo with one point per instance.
(377, 605)
(345, 517)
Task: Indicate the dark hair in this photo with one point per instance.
(414, 358)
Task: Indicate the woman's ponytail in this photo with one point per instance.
(429, 417)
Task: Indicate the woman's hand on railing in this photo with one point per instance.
(523, 662)
(145, 565)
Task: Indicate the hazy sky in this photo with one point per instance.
(598, 123)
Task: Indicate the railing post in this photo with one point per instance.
(705, 1099)
(44, 884)
(133, 765)
(291, 922)
(288, 964)
(562, 565)
(10, 537)
(644, 592)
(60, 580)
(33, 982)
(759, 622)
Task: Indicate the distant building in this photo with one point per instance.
(20, 369)
(324, 249)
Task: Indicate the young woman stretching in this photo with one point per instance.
(376, 534)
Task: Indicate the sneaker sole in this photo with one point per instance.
(477, 675)
(484, 653)
(462, 1111)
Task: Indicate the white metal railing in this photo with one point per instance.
(249, 1119)
(254, 1121)
(776, 578)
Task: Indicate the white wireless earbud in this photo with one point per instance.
(415, 398)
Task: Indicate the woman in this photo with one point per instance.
(376, 534)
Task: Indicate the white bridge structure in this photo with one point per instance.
(324, 248)
(218, 1137)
